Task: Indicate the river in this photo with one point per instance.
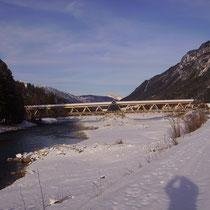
(32, 139)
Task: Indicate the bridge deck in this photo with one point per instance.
(108, 103)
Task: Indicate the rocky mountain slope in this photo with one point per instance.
(190, 78)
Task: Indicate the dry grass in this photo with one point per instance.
(194, 120)
(187, 123)
(175, 129)
(179, 126)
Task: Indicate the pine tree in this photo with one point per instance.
(11, 102)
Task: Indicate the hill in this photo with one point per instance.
(34, 95)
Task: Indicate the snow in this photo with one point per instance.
(49, 120)
(115, 168)
(23, 125)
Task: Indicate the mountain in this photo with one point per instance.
(34, 95)
(94, 98)
(190, 78)
(67, 97)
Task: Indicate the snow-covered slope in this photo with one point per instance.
(94, 98)
(177, 179)
(117, 168)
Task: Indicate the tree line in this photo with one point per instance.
(14, 95)
(11, 101)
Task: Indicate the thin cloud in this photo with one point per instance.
(74, 7)
(105, 49)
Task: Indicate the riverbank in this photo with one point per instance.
(26, 124)
(21, 126)
(16, 144)
(119, 166)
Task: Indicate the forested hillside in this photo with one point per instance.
(33, 95)
(11, 101)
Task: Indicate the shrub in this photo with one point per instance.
(175, 129)
(194, 120)
(187, 123)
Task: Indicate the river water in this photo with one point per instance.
(32, 139)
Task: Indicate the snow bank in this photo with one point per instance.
(57, 120)
(49, 120)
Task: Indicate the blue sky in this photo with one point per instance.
(98, 46)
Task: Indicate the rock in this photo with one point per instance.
(9, 159)
(52, 201)
(18, 156)
(26, 160)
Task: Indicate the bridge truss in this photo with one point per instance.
(36, 112)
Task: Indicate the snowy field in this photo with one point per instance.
(119, 167)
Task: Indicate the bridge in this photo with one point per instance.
(36, 112)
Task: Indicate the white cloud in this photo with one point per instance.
(110, 45)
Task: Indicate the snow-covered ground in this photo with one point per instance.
(118, 167)
(23, 125)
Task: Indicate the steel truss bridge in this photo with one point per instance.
(36, 112)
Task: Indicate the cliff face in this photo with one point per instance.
(190, 78)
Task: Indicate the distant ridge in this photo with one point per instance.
(36, 95)
(70, 98)
(94, 98)
(67, 97)
(190, 78)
